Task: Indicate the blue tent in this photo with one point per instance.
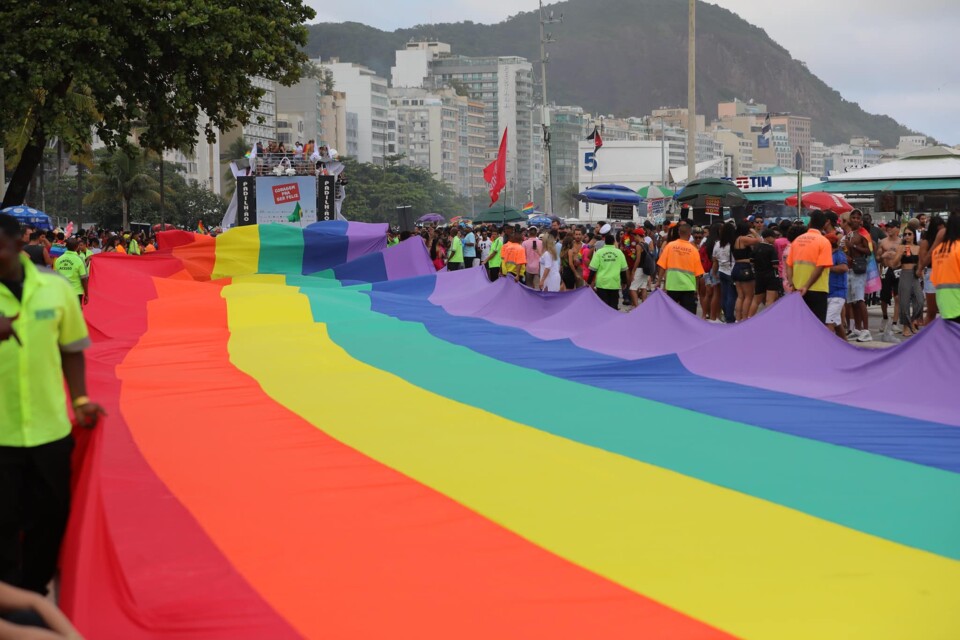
(609, 193)
(29, 216)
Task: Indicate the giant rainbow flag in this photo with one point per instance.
(313, 435)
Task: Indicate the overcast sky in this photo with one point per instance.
(893, 57)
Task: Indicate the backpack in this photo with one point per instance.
(647, 264)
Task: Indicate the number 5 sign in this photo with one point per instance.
(590, 161)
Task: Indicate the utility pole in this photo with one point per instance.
(663, 154)
(692, 93)
(546, 39)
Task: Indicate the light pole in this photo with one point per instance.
(692, 93)
(546, 39)
(663, 154)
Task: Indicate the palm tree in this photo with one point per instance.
(123, 175)
(568, 198)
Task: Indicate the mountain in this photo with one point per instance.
(627, 57)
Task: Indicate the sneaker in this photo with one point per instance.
(897, 328)
(852, 334)
(864, 336)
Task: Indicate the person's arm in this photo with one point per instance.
(859, 244)
(74, 371)
(839, 268)
(12, 598)
(543, 277)
(749, 241)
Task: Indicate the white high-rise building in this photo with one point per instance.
(299, 108)
(366, 95)
(818, 153)
(424, 126)
(505, 87)
(412, 67)
(262, 126)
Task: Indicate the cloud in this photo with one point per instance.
(892, 58)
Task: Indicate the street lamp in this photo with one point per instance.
(663, 153)
(546, 39)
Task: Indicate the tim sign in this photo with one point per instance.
(753, 182)
(283, 193)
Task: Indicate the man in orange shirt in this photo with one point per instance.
(808, 266)
(514, 256)
(680, 268)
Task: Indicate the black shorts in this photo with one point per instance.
(610, 296)
(686, 299)
(889, 286)
(817, 303)
(768, 282)
(742, 272)
(569, 278)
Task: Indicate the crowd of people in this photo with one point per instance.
(70, 256)
(277, 158)
(726, 272)
(729, 271)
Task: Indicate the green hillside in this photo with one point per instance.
(627, 57)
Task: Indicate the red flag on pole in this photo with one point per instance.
(597, 138)
(495, 173)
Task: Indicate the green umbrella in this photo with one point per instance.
(498, 213)
(696, 193)
(654, 192)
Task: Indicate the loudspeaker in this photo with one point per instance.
(405, 218)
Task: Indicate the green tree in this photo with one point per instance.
(375, 192)
(568, 199)
(192, 202)
(121, 175)
(159, 64)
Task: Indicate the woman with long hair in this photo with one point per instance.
(743, 274)
(722, 268)
(927, 244)
(567, 274)
(438, 253)
(549, 264)
(911, 295)
(946, 268)
(711, 283)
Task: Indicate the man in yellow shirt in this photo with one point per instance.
(42, 338)
(72, 266)
(680, 267)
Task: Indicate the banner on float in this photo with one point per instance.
(278, 196)
(327, 200)
(246, 196)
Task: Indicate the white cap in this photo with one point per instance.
(605, 229)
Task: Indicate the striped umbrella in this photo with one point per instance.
(654, 192)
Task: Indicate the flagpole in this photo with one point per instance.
(799, 191)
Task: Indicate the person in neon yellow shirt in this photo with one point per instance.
(73, 267)
(608, 271)
(455, 255)
(42, 338)
(494, 260)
